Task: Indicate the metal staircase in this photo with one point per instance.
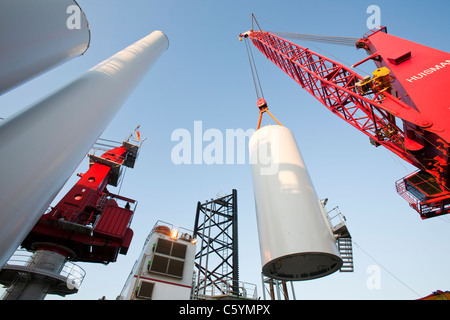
(346, 250)
(343, 239)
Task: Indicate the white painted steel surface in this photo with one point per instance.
(37, 35)
(42, 145)
(165, 287)
(295, 236)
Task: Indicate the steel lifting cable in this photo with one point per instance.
(395, 277)
(346, 41)
(262, 105)
(255, 75)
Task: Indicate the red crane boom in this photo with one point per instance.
(403, 107)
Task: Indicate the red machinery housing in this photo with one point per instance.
(89, 223)
(403, 107)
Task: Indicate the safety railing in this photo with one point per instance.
(237, 289)
(72, 272)
(402, 190)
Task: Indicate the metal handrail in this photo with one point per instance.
(338, 216)
(245, 290)
(72, 272)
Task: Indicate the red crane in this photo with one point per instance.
(89, 223)
(404, 106)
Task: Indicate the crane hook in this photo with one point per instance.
(262, 105)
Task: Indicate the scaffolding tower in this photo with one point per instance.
(216, 262)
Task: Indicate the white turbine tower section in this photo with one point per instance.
(43, 144)
(37, 35)
(295, 236)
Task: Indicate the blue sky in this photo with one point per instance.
(205, 76)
